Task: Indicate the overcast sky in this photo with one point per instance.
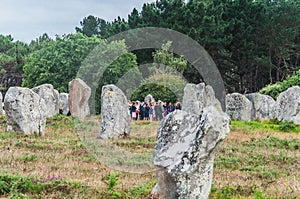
(25, 20)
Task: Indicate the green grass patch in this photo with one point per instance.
(271, 125)
(27, 158)
(230, 192)
(8, 135)
(134, 142)
(268, 142)
(142, 190)
(16, 186)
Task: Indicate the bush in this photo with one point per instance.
(275, 89)
(165, 87)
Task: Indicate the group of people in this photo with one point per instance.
(153, 111)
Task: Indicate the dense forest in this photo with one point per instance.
(253, 42)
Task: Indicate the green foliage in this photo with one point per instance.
(111, 180)
(12, 55)
(106, 64)
(165, 81)
(92, 26)
(166, 59)
(40, 42)
(142, 190)
(252, 42)
(58, 61)
(164, 87)
(275, 89)
(159, 92)
(287, 126)
(16, 186)
(258, 194)
(4, 187)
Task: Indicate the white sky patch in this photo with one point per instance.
(26, 20)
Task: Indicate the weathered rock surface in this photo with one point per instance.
(196, 97)
(51, 97)
(238, 107)
(115, 120)
(25, 111)
(263, 106)
(63, 103)
(79, 94)
(288, 105)
(1, 105)
(149, 98)
(185, 150)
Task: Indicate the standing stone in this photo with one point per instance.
(1, 107)
(149, 98)
(185, 150)
(63, 103)
(79, 94)
(238, 107)
(288, 105)
(196, 97)
(263, 106)
(115, 120)
(51, 97)
(25, 111)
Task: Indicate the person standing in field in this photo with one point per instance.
(170, 108)
(133, 111)
(178, 106)
(145, 109)
(165, 108)
(151, 111)
(158, 110)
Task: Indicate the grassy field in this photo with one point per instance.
(257, 160)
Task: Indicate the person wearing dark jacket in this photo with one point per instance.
(178, 106)
(170, 108)
(158, 111)
(133, 111)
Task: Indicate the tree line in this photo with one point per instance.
(253, 42)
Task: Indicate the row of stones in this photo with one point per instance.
(186, 140)
(254, 106)
(258, 106)
(27, 109)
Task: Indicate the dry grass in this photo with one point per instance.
(248, 161)
(60, 153)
